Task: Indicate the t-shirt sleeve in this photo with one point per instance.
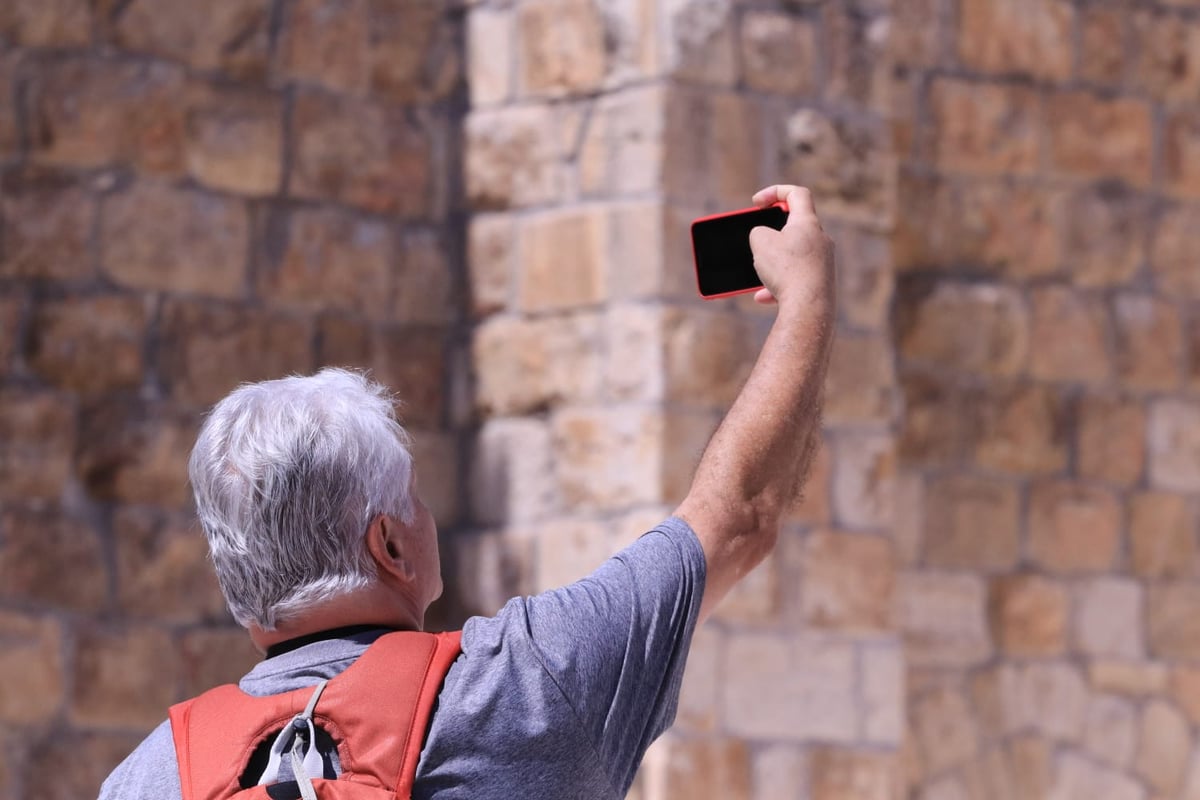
(615, 643)
(150, 771)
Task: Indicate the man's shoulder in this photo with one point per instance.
(150, 772)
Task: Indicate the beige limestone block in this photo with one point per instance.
(635, 356)
(1073, 117)
(860, 386)
(984, 128)
(930, 318)
(1071, 330)
(1108, 618)
(947, 732)
(215, 656)
(1105, 235)
(47, 229)
(781, 771)
(1110, 730)
(89, 344)
(1174, 625)
(991, 776)
(561, 260)
(1135, 679)
(864, 479)
(32, 681)
(561, 47)
(848, 581)
(1044, 696)
(708, 355)
(1073, 527)
(162, 567)
(943, 619)
(234, 139)
(883, 694)
(643, 261)
(863, 775)
(1111, 443)
(778, 52)
(1172, 250)
(1025, 36)
(512, 472)
(1078, 778)
(124, 678)
(623, 143)
(1029, 615)
(1185, 691)
(512, 159)
(490, 55)
(950, 787)
(1174, 443)
(1149, 339)
(971, 522)
(790, 688)
(1164, 747)
(568, 549)
(1023, 430)
(1162, 535)
(608, 458)
(701, 43)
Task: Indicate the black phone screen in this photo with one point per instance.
(724, 262)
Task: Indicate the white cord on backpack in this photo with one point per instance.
(306, 762)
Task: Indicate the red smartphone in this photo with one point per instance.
(721, 246)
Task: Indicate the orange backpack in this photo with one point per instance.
(377, 712)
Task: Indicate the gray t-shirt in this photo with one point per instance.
(557, 696)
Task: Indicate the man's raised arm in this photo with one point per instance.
(754, 467)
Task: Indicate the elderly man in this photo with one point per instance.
(311, 506)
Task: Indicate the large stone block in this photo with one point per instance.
(213, 656)
(47, 228)
(1162, 536)
(1105, 235)
(512, 158)
(624, 143)
(1029, 615)
(838, 774)
(89, 344)
(47, 23)
(1071, 330)
(32, 683)
(561, 47)
(101, 113)
(1108, 618)
(931, 317)
(1123, 152)
(983, 128)
(366, 154)
(491, 39)
(524, 365)
(797, 688)
(318, 260)
(1173, 440)
(608, 458)
(1167, 66)
(135, 452)
(865, 279)
(708, 356)
(1129, 678)
(1102, 54)
(1073, 527)
(700, 41)
(1173, 251)
(413, 50)
(491, 262)
(943, 619)
(780, 770)
(864, 480)
(884, 706)
(847, 581)
(971, 522)
(1110, 732)
(567, 550)
(1164, 747)
(696, 767)
(325, 42)
(1149, 342)
(861, 383)
(206, 351)
(123, 678)
(161, 238)
(1026, 36)
(1047, 697)
(635, 364)
(945, 728)
(512, 473)
(1173, 624)
(162, 565)
(1181, 151)
(561, 262)
(234, 139)
(1111, 443)
(1023, 429)
(228, 35)
(1185, 691)
(37, 443)
(778, 52)
(942, 419)
(1076, 776)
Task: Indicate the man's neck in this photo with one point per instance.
(361, 608)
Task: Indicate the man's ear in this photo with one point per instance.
(386, 537)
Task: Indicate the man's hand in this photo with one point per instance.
(755, 465)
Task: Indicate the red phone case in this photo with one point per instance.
(696, 268)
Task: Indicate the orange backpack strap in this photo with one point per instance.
(378, 711)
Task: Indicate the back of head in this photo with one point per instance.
(287, 474)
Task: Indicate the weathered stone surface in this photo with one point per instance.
(778, 52)
(983, 128)
(1111, 445)
(512, 473)
(1173, 251)
(941, 419)
(1174, 625)
(622, 151)
(707, 356)
(865, 775)
(779, 770)
(799, 689)
(376, 157)
(1073, 527)
(635, 358)
(212, 656)
(1149, 342)
(884, 706)
(511, 159)
(860, 384)
(947, 733)
(695, 767)
(136, 452)
(864, 480)
(413, 50)
(97, 113)
(1023, 429)
(208, 350)
(424, 279)
(37, 442)
(47, 226)
(324, 41)
(492, 568)
(608, 458)
(1031, 760)
(326, 260)
(89, 344)
(1076, 776)
(943, 619)
(1167, 46)
(865, 276)
(523, 365)
(1044, 696)
(847, 581)
(234, 139)
(971, 523)
(32, 684)
(1029, 615)
(53, 23)
(72, 766)
(229, 35)
(161, 238)
(1173, 439)
(701, 43)
(490, 46)
(1182, 151)
(163, 571)
(1136, 679)
(1162, 536)
(1102, 50)
(930, 317)
(1071, 331)
(562, 47)
(1108, 618)
(1165, 745)
(1026, 36)
(1110, 732)
(123, 678)
(1185, 691)
(561, 262)
(857, 56)
(1106, 235)
(491, 262)
(1123, 152)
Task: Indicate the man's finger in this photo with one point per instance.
(759, 236)
(799, 200)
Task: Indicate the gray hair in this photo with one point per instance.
(287, 475)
